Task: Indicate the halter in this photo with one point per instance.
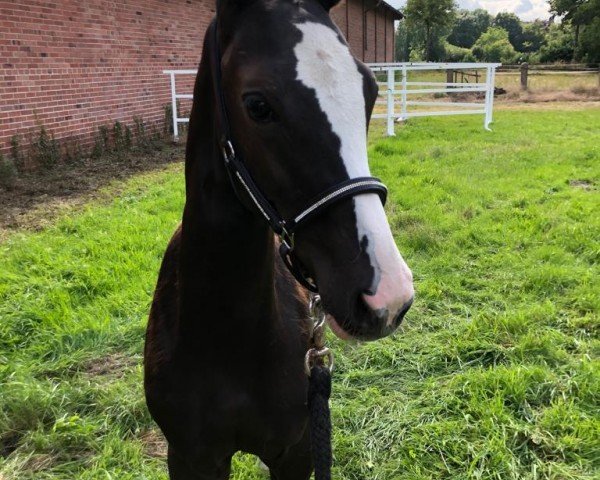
(284, 228)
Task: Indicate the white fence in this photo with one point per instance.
(395, 95)
(178, 96)
(407, 87)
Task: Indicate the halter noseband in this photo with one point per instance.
(285, 229)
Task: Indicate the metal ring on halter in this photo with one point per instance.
(315, 353)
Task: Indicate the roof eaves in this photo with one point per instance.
(397, 13)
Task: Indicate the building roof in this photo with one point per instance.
(397, 13)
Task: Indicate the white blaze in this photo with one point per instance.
(326, 65)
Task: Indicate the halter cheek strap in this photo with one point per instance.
(285, 229)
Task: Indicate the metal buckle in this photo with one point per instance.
(286, 238)
(228, 151)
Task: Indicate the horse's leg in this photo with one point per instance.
(295, 464)
(180, 469)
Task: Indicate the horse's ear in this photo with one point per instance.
(329, 4)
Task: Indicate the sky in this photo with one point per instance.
(525, 9)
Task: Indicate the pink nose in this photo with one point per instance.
(391, 301)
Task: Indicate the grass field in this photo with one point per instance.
(495, 374)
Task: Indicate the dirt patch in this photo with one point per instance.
(582, 95)
(9, 442)
(155, 444)
(39, 462)
(545, 106)
(114, 364)
(582, 184)
(39, 197)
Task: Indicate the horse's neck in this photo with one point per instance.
(226, 274)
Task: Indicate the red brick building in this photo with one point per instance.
(74, 65)
(369, 28)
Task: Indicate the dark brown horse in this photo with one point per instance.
(227, 335)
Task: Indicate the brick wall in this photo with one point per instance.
(74, 65)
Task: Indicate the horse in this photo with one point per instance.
(278, 126)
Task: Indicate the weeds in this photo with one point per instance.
(119, 137)
(45, 149)
(8, 172)
(168, 120)
(73, 152)
(17, 154)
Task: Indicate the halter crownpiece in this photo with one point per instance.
(285, 229)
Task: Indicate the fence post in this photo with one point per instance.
(403, 116)
(174, 108)
(489, 96)
(449, 76)
(391, 85)
(524, 75)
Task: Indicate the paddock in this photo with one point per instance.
(494, 375)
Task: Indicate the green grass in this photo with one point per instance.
(494, 376)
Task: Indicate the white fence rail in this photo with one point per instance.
(406, 88)
(178, 96)
(395, 95)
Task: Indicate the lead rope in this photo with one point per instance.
(318, 364)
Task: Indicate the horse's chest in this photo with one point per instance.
(252, 411)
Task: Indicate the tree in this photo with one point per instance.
(588, 49)
(584, 16)
(468, 27)
(494, 46)
(512, 24)
(559, 45)
(409, 41)
(533, 37)
(434, 17)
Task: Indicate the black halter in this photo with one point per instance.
(285, 229)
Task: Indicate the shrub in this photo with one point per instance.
(8, 172)
(494, 46)
(101, 142)
(128, 138)
(45, 150)
(15, 151)
(119, 137)
(168, 120)
(457, 54)
(142, 139)
(73, 153)
(559, 46)
(104, 137)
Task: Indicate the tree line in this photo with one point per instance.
(436, 30)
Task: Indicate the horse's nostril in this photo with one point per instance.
(368, 292)
(403, 311)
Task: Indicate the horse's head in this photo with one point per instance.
(299, 105)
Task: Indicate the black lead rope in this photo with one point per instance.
(318, 364)
(319, 391)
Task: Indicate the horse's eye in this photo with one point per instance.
(258, 108)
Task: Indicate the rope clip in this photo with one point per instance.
(318, 354)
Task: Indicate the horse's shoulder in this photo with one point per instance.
(163, 311)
